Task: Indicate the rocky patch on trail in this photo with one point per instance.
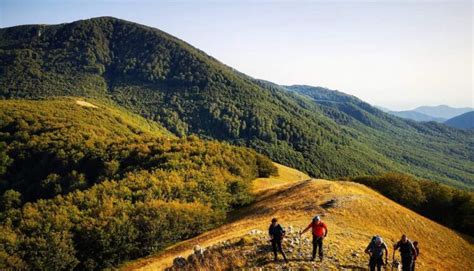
(253, 251)
(329, 204)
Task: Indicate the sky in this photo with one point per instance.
(395, 54)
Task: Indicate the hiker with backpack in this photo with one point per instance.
(417, 250)
(407, 252)
(277, 233)
(320, 231)
(376, 250)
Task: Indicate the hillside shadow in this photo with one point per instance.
(256, 209)
(466, 237)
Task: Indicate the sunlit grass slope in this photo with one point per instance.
(83, 115)
(355, 214)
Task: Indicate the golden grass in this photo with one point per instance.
(85, 104)
(358, 214)
(286, 175)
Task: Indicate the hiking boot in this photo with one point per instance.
(320, 258)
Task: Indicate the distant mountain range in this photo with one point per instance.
(440, 113)
(415, 115)
(464, 121)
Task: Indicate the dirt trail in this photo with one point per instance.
(353, 214)
(240, 222)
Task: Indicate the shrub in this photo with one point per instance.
(447, 205)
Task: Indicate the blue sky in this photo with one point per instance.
(397, 54)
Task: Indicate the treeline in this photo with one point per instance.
(449, 206)
(88, 188)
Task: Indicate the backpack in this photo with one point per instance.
(372, 241)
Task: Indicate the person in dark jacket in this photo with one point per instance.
(417, 250)
(376, 249)
(277, 233)
(407, 252)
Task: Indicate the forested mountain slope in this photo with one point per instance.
(165, 79)
(85, 185)
(464, 121)
(423, 148)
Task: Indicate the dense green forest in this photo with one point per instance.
(431, 150)
(88, 187)
(166, 80)
(449, 206)
(188, 92)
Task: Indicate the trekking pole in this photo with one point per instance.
(393, 259)
(299, 246)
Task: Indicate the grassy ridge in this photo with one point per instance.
(447, 205)
(353, 213)
(87, 188)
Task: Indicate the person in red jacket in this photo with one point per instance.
(320, 231)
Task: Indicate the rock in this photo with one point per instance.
(198, 250)
(192, 259)
(255, 232)
(179, 261)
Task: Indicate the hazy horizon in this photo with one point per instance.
(394, 54)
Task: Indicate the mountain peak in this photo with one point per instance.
(442, 111)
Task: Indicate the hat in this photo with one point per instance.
(316, 218)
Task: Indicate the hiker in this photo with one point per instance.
(277, 233)
(320, 231)
(376, 250)
(417, 250)
(407, 252)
